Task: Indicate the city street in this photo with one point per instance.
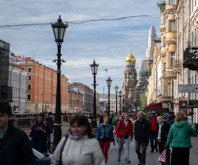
(151, 158)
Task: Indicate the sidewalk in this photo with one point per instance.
(113, 152)
(151, 158)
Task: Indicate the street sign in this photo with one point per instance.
(185, 88)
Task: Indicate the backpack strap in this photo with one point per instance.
(60, 160)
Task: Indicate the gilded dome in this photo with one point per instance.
(130, 58)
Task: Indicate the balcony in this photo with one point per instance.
(191, 58)
(165, 98)
(178, 66)
(168, 74)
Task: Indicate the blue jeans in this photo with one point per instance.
(123, 141)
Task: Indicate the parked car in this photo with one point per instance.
(41, 159)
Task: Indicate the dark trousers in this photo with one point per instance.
(161, 149)
(180, 156)
(153, 140)
(141, 154)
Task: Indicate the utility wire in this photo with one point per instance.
(81, 22)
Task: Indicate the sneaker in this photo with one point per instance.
(127, 161)
(118, 159)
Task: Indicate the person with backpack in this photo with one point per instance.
(78, 147)
(124, 133)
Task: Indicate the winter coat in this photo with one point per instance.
(121, 129)
(170, 120)
(164, 132)
(83, 151)
(15, 148)
(142, 130)
(153, 124)
(108, 132)
(39, 139)
(179, 135)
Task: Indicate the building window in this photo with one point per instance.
(29, 86)
(172, 26)
(172, 2)
(29, 77)
(172, 59)
(29, 69)
(29, 96)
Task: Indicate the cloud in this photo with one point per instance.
(107, 42)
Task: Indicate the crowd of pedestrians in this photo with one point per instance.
(80, 146)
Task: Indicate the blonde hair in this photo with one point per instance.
(181, 116)
(160, 119)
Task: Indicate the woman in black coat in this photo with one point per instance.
(39, 135)
(162, 133)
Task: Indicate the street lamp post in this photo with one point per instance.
(120, 95)
(116, 91)
(123, 102)
(59, 29)
(109, 81)
(94, 69)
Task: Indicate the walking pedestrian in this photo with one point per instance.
(142, 131)
(105, 136)
(49, 124)
(15, 148)
(78, 147)
(170, 118)
(179, 139)
(153, 133)
(124, 133)
(39, 134)
(162, 134)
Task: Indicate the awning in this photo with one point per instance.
(153, 106)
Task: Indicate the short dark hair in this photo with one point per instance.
(5, 108)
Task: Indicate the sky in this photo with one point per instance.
(106, 42)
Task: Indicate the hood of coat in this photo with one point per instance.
(180, 124)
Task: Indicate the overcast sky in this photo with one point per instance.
(108, 42)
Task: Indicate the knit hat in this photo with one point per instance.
(160, 119)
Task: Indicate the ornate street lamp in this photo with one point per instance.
(109, 81)
(94, 69)
(59, 29)
(116, 91)
(120, 95)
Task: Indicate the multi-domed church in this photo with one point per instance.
(129, 83)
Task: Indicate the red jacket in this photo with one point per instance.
(121, 128)
(153, 124)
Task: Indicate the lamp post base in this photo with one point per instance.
(94, 123)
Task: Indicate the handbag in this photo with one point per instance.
(162, 157)
(60, 159)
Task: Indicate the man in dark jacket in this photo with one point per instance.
(142, 131)
(49, 125)
(15, 147)
(153, 133)
(170, 119)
